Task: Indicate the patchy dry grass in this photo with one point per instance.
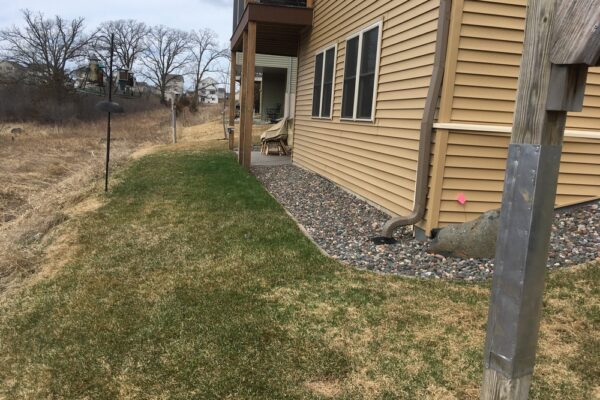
(192, 282)
(48, 169)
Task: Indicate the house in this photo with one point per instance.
(222, 94)
(144, 88)
(78, 76)
(275, 85)
(10, 72)
(174, 86)
(208, 92)
(409, 103)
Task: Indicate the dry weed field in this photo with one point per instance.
(47, 170)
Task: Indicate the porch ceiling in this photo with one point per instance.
(278, 28)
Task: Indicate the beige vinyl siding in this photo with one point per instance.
(475, 166)
(376, 160)
(487, 69)
(489, 56)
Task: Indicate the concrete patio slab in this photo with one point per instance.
(261, 160)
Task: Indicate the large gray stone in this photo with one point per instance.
(474, 239)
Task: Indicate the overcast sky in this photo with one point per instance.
(182, 14)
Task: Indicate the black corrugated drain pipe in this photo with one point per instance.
(435, 88)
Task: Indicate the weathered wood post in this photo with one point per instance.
(243, 97)
(174, 118)
(232, 78)
(248, 108)
(562, 39)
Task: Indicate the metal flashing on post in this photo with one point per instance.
(531, 178)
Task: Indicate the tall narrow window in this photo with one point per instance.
(360, 74)
(324, 83)
(350, 78)
(316, 111)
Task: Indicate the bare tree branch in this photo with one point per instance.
(46, 46)
(205, 52)
(130, 41)
(165, 56)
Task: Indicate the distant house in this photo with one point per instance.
(144, 88)
(175, 84)
(10, 71)
(78, 76)
(36, 74)
(222, 94)
(209, 91)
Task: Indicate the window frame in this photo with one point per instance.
(360, 35)
(324, 51)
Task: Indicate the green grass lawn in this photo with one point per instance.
(192, 283)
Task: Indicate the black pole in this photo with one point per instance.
(110, 81)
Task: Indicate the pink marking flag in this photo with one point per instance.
(462, 199)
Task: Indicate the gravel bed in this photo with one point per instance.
(342, 225)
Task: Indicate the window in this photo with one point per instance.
(324, 83)
(360, 74)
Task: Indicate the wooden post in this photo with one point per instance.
(247, 108)
(243, 98)
(174, 119)
(309, 4)
(545, 93)
(233, 75)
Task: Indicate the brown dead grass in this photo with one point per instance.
(49, 173)
(327, 389)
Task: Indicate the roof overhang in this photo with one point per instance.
(278, 28)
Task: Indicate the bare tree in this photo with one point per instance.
(46, 46)
(130, 41)
(165, 56)
(204, 51)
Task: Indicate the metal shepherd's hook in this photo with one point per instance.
(109, 107)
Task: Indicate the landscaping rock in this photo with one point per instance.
(343, 225)
(475, 239)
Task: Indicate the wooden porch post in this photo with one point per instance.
(248, 102)
(243, 98)
(233, 74)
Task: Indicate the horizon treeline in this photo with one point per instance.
(50, 48)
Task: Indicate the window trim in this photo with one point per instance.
(360, 35)
(324, 52)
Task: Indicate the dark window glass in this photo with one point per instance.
(316, 108)
(350, 78)
(368, 65)
(328, 82)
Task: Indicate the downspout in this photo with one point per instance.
(426, 134)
